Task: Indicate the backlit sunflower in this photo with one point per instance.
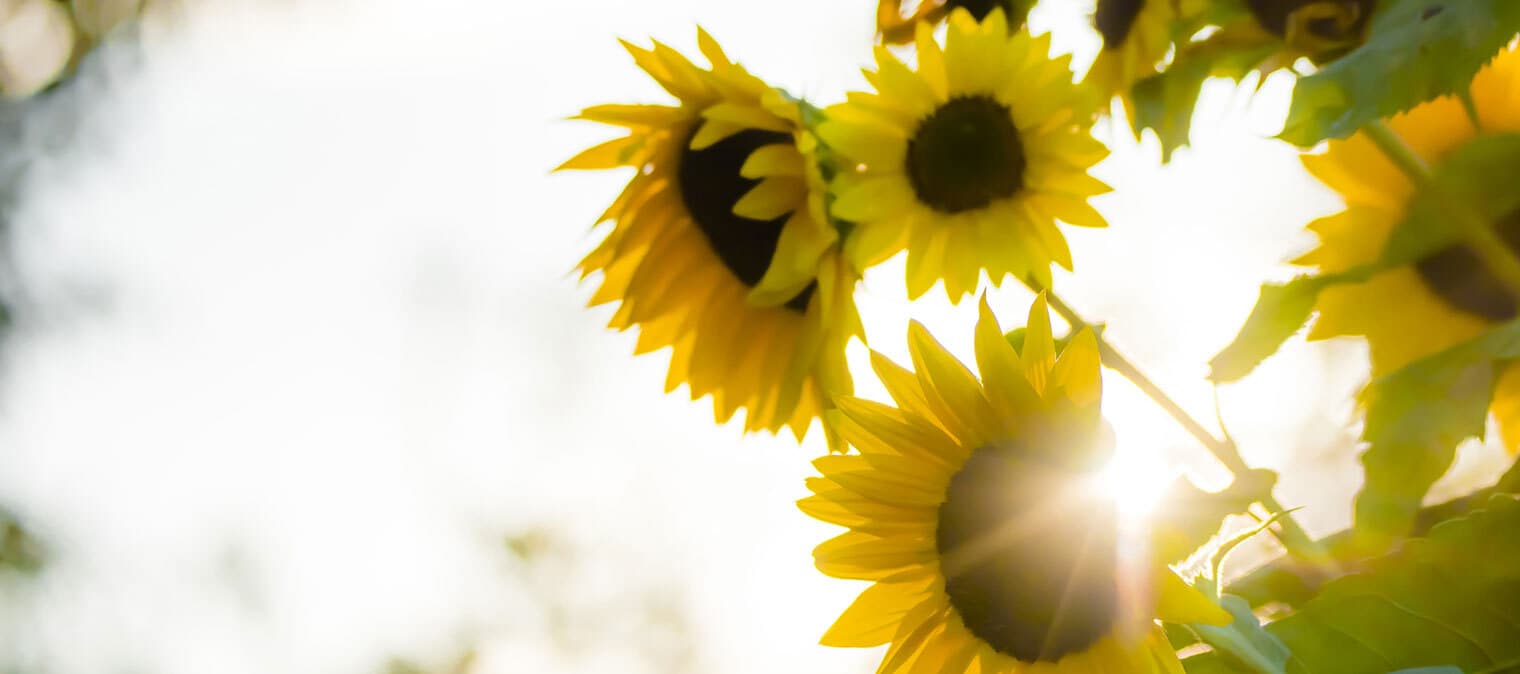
(894, 28)
(973, 507)
(720, 248)
(1320, 30)
(967, 161)
(1445, 298)
(1136, 37)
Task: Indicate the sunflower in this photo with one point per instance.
(968, 161)
(1137, 34)
(893, 28)
(1446, 298)
(720, 247)
(973, 508)
(1320, 30)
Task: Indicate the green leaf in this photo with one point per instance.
(1164, 102)
(1280, 311)
(1186, 517)
(1430, 670)
(1478, 173)
(19, 550)
(1415, 50)
(1416, 417)
(1212, 663)
(1241, 646)
(1449, 600)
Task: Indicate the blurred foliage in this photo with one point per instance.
(19, 550)
(1410, 51)
(1451, 599)
(651, 617)
(1187, 517)
(1243, 643)
(1281, 310)
(1291, 582)
(1416, 416)
(1164, 103)
(463, 665)
(1415, 50)
(1479, 174)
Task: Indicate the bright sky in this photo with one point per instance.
(306, 350)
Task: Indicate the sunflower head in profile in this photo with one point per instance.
(973, 506)
(969, 160)
(1136, 37)
(1320, 30)
(720, 247)
(1447, 297)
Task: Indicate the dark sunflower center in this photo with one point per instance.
(1459, 277)
(1115, 18)
(981, 8)
(710, 185)
(1030, 564)
(966, 155)
(1273, 16)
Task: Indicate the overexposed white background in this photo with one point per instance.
(303, 382)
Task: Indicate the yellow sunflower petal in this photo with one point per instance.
(871, 143)
(873, 618)
(1002, 371)
(748, 116)
(611, 154)
(873, 199)
(1039, 354)
(950, 389)
(773, 160)
(1178, 602)
(1077, 370)
(901, 385)
(772, 198)
(861, 556)
(632, 116)
(1506, 407)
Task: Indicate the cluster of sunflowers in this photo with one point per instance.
(970, 499)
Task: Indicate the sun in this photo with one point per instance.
(1138, 473)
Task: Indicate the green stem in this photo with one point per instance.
(1472, 109)
(1291, 534)
(1475, 229)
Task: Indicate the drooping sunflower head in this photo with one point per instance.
(1448, 296)
(973, 507)
(1136, 37)
(719, 247)
(967, 161)
(1319, 29)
